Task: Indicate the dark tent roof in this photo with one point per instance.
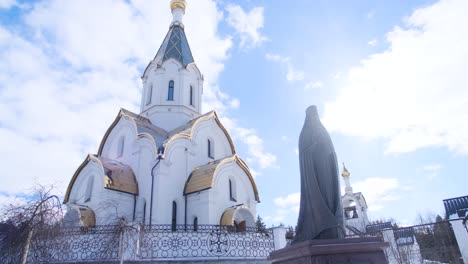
(175, 46)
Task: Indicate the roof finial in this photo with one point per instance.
(178, 10)
(345, 172)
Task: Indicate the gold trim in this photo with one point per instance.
(227, 218)
(73, 179)
(178, 3)
(345, 172)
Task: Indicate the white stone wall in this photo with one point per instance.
(243, 191)
(108, 205)
(163, 112)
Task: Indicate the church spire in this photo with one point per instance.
(345, 174)
(175, 44)
(172, 83)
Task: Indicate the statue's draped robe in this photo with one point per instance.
(321, 214)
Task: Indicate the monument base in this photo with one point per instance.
(332, 251)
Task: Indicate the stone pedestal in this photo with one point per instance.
(332, 251)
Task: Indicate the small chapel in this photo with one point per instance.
(169, 164)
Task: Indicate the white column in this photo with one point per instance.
(461, 234)
(279, 235)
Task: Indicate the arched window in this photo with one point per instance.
(195, 224)
(210, 149)
(174, 216)
(120, 149)
(170, 91)
(232, 191)
(149, 94)
(89, 189)
(191, 95)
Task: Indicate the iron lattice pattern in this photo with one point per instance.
(76, 245)
(160, 242)
(425, 243)
(113, 243)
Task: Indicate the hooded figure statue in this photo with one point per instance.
(321, 213)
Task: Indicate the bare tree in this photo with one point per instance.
(38, 215)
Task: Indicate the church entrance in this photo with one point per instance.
(237, 219)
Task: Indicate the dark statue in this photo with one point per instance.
(321, 214)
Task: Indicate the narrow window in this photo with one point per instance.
(232, 191)
(191, 95)
(174, 216)
(210, 149)
(195, 224)
(170, 92)
(149, 94)
(89, 189)
(120, 149)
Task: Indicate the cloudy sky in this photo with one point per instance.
(389, 78)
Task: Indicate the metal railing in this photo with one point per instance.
(136, 242)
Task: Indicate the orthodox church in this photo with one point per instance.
(169, 164)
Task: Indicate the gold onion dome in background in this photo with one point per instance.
(345, 172)
(178, 3)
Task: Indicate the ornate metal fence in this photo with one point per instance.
(113, 243)
(76, 244)
(433, 243)
(204, 241)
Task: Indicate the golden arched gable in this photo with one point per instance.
(117, 176)
(203, 177)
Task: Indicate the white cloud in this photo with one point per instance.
(286, 206)
(372, 42)
(63, 79)
(276, 57)
(284, 138)
(296, 151)
(291, 200)
(247, 24)
(256, 153)
(7, 4)
(313, 85)
(415, 93)
(432, 170)
(370, 14)
(292, 74)
(378, 191)
(337, 76)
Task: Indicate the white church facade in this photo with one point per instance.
(168, 164)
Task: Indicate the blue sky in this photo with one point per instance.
(389, 79)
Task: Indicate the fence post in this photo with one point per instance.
(279, 236)
(121, 244)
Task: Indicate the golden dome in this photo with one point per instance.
(178, 3)
(345, 172)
